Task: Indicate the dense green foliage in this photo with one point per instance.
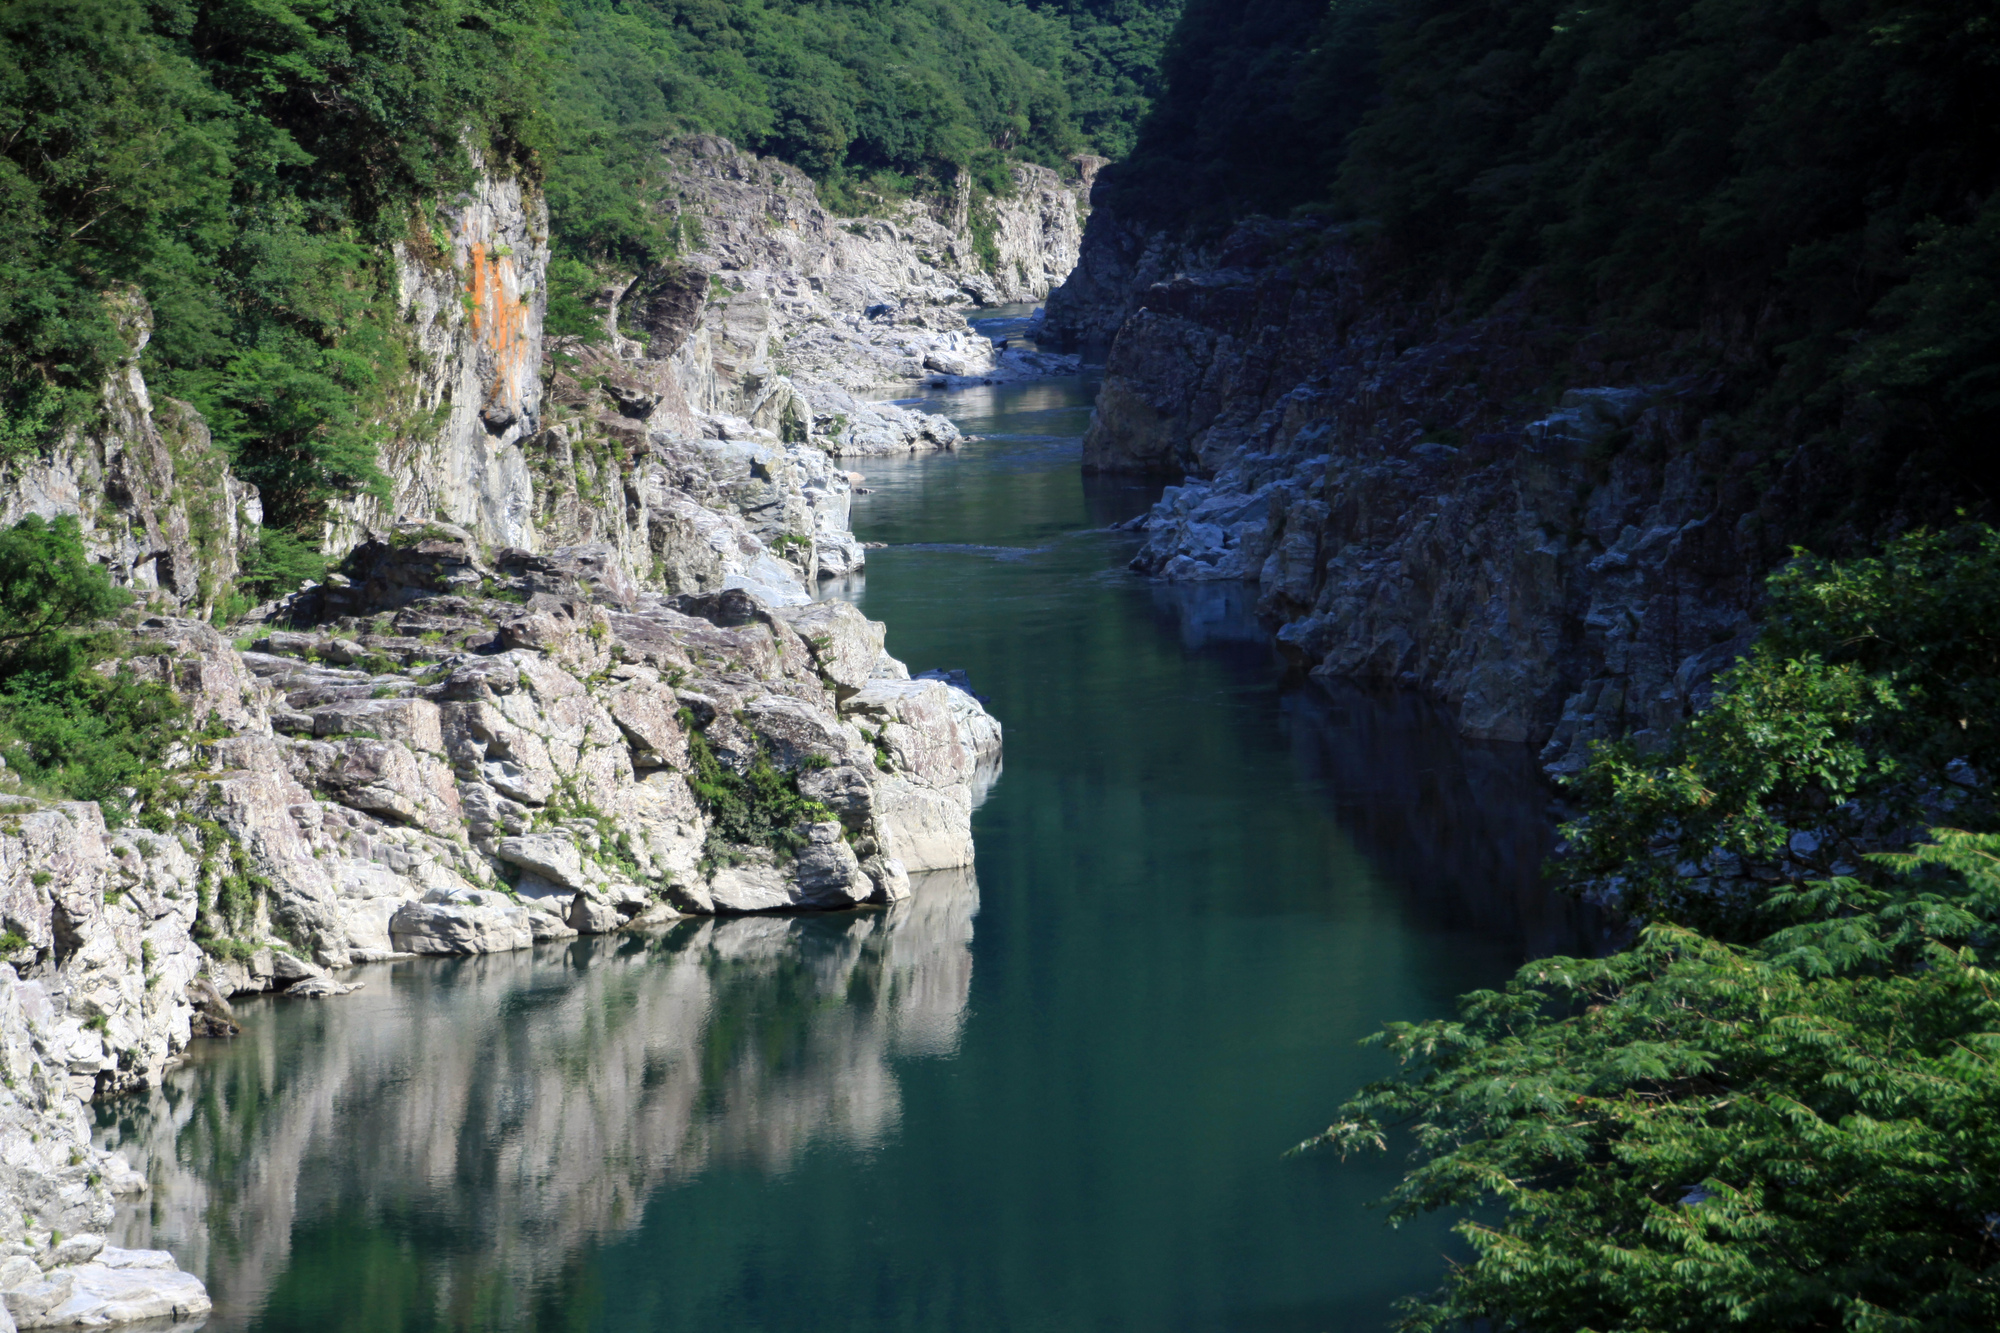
(1113, 73)
(1804, 191)
(1256, 105)
(240, 162)
(1777, 1109)
(1873, 681)
(889, 98)
(73, 722)
(759, 807)
(1800, 1135)
(277, 563)
(48, 585)
(243, 163)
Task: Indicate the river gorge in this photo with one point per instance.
(1051, 1090)
(999, 666)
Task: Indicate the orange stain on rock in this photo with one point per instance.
(500, 321)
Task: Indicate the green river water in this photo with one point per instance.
(1051, 1094)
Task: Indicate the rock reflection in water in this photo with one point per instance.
(493, 1117)
(1462, 827)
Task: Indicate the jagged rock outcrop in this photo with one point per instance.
(458, 759)
(784, 314)
(1425, 499)
(695, 441)
(738, 509)
(444, 757)
(472, 292)
(157, 503)
(92, 1001)
(762, 216)
(1119, 261)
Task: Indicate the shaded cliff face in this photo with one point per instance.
(1554, 545)
(1117, 263)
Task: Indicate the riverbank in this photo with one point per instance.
(1487, 509)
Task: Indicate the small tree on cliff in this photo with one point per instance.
(74, 722)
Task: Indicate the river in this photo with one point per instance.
(1051, 1094)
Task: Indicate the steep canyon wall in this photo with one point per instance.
(1549, 537)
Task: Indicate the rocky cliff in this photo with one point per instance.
(158, 504)
(788, 316)
(473, 298)
(450, 758)
(571, 676)
(1495, 510)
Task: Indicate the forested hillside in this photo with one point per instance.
(245, 163)
(240, 164)
(1804, 193)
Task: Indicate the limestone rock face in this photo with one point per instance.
(476, 305)
(690, 448)
(105, 923)
(508, 758)
(786, 313)
(760, 214)
(93, 1000)
(551, 672)
(1381, 472)
(157, 502)
(845, 644)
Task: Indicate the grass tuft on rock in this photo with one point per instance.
(760, 807)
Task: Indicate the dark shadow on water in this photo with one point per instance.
(1464, 828)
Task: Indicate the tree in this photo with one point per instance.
(47, 584)
(1863, 712)
(1779, 1108)
(1686, 1135)
(73, 720)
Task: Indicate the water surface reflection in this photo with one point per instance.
(490, 1119)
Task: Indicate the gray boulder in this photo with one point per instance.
(115, 1287)
(552, 856)
(461, 921)
(590, 917)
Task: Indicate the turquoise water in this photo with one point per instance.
(1052, 1094)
